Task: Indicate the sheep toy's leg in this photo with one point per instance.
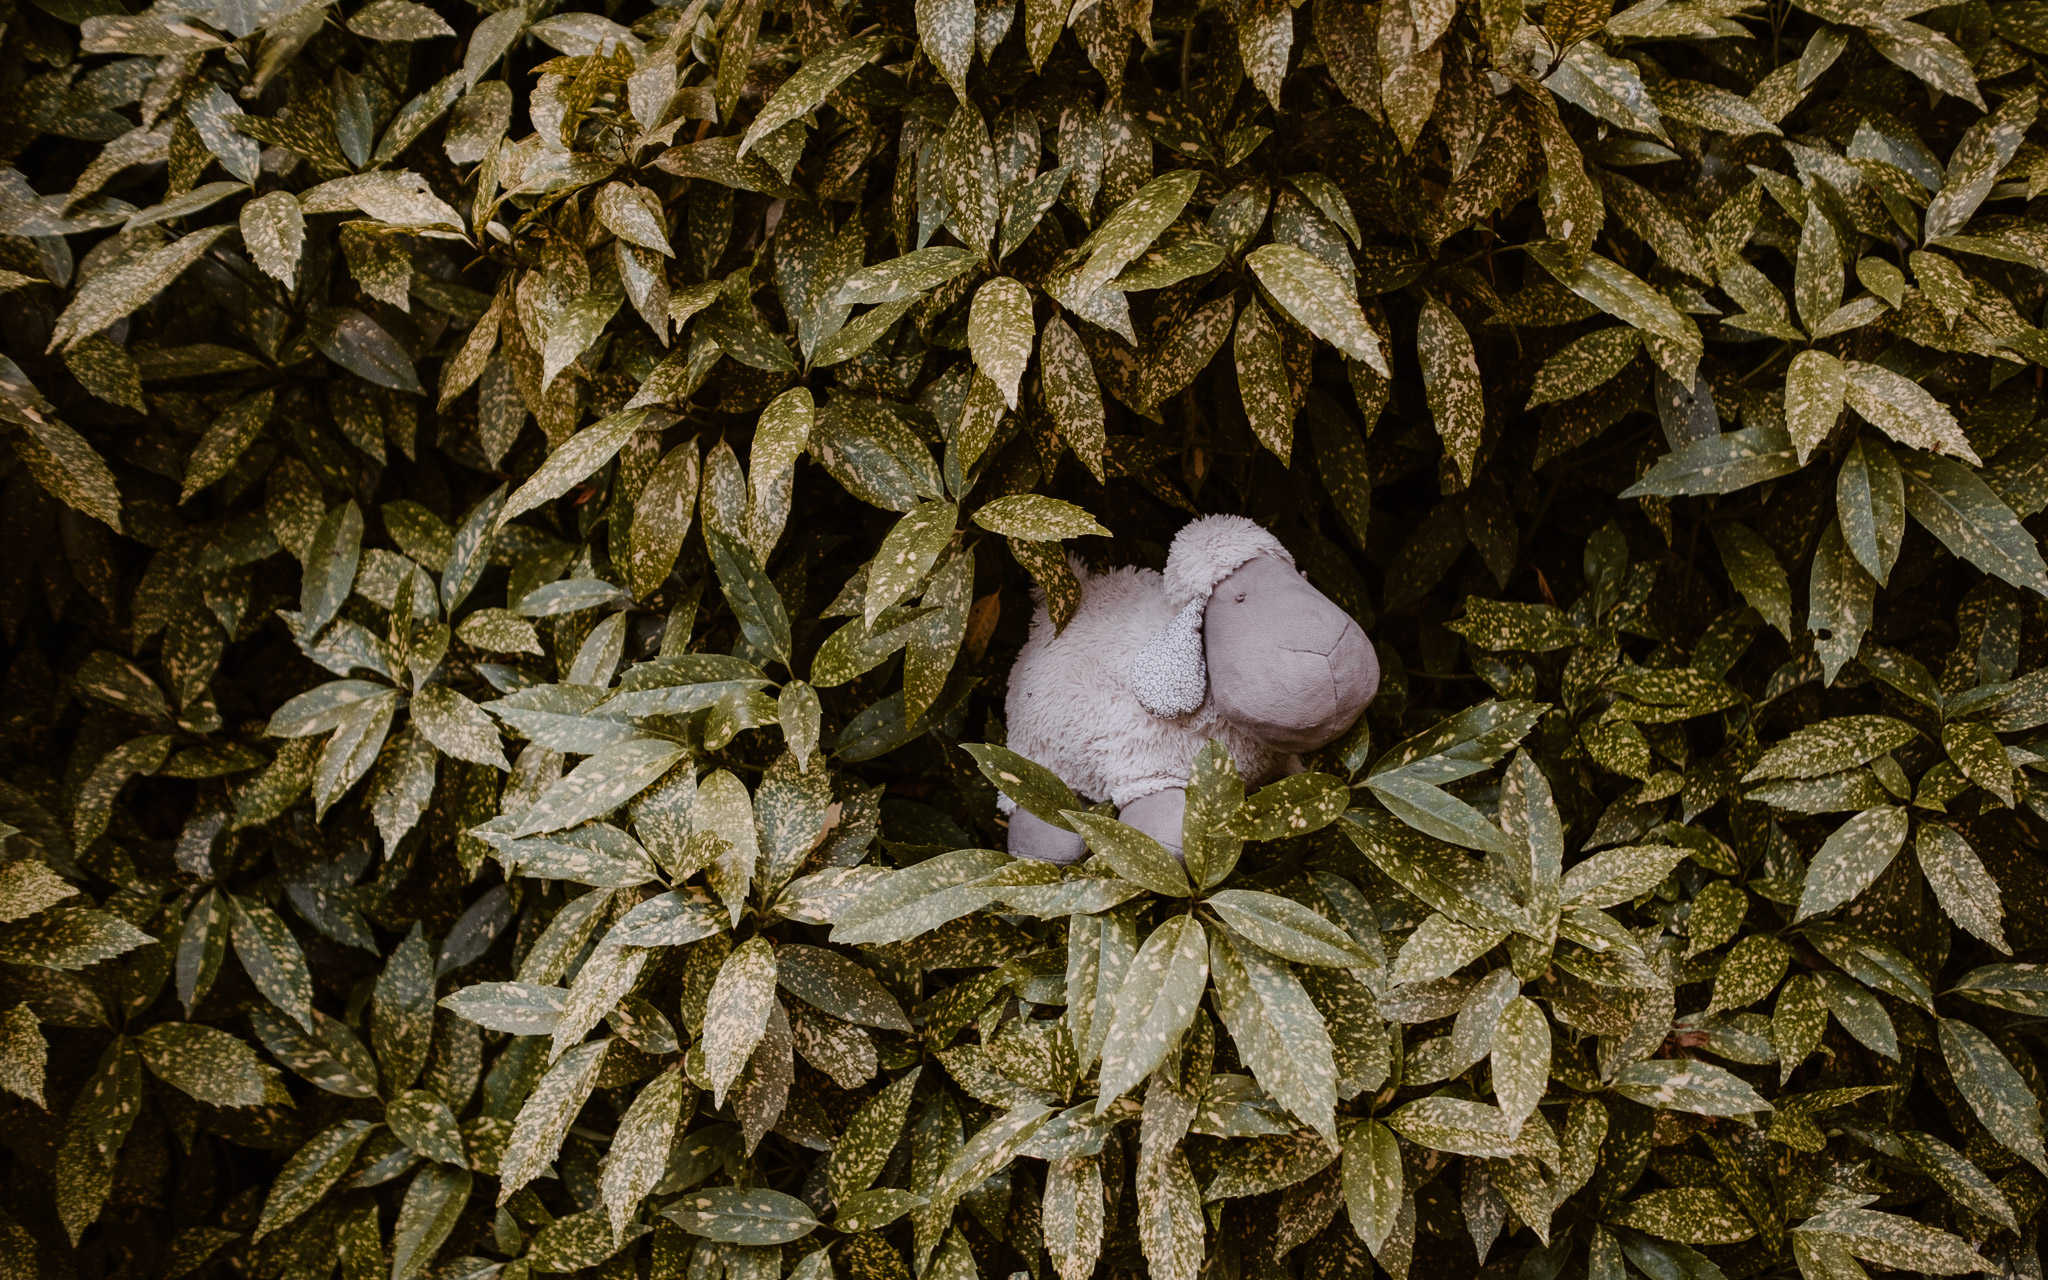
(1158, 815)
(1033, 837)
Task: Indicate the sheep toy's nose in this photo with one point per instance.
(1285, 662)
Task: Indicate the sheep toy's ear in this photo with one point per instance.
(1170, 675)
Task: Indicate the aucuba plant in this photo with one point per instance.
(515, 519)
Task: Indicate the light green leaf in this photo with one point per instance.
(1308, 289)
(1278, 1030)
(1037, 518)
(1852, 859)
(1000, 333)
(1135, 856)
(736, 1014)
(640, 1149)
(1960, 510)
(1161, 992)
(1994, 1089)
(545, 1118)
(813, 82)
(205, 1062)
(1699, 1087)
(427, 1217)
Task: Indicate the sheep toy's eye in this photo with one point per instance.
(1240, 597)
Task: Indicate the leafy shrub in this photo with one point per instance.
(601, 814)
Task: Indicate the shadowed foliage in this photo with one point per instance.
(515, 521)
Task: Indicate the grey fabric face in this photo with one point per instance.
(1284, 662)
(1170, 676)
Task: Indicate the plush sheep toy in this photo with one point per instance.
(1231, 642)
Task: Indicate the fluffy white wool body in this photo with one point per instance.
(1074, 704)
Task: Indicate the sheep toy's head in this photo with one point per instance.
(1273, 655)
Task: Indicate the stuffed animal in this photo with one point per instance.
(1231, 642)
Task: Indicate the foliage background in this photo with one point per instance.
(516, 521)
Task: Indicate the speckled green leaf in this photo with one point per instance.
(229, 436)
(1699, 1087)
(1443, 1123)
(402, 1011)
(1373, 1182)
(1690, 1215)
(24, 1055)
(457, 726)
(2022, 988)
(1613, 876)
(1841, 602)
(1751, 970)
(331, 563)
(1308, 289)
(870, 1136)
(1895, 1242)
(1797, 1022)
(1450, 377)
(27, 887)
(737, 1013)
(1072, 1213)
(1755, 571)
(640, 1149)
(1262, 381)
(1131, 229)
(1725, 463)
(1186, 349)
(1815, 386)
(1951, 502)
(426, 1218)
(1584, 363)
(1964, 1181)
(1034, 787)
(1287, 929)
(1987, 146)
(330, 1057)
(205, 1062)
(545, 1117)
(751, 594)
(1000, 333)
(270, 955)
(423, 1122)
(1521, 1058)
(274, 232)
(1134, 855)
(580, 455)
(600, 784)
(312, 1170)
(1278, 1030)
(1072, 396)
(907, 554)
(1831, 746)
(1994, 1089)
(739, 1215)
(1293, 806)
(1852, 859)
(1496, 625)
(1159, 996)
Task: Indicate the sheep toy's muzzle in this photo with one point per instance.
(1285, 662)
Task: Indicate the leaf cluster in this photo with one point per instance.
(517, 518)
